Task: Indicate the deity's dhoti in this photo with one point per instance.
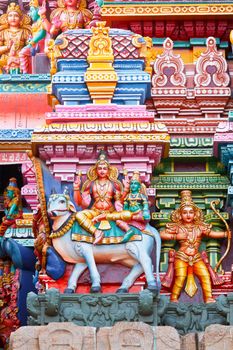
(185, 269)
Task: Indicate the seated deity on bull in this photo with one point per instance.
(111, 227)
(102, 187)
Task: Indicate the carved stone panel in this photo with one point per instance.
(126, 336)
(218, 337)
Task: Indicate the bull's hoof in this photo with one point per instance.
(95, 289)
(122, 291)
(68, 291)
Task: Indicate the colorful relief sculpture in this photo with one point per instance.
(72, 231)
(38, 34)
(188, 228)
(15, 30)
(12, 206)
(70, 14)
(103, 187)
(136, 209)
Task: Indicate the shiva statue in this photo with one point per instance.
(70, 14)
(188, 228)
(136, 211)
(101, 187)
(38, 34)
(15, 30)
(12, 206)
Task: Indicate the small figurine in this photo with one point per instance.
(70, 14)
(136, 209)
(15, 30)
(101, 187)
(188, 228)
(12, 206)
(38, 34)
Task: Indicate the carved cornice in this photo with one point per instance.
(191, 181)
(133, 9)
(15, 134)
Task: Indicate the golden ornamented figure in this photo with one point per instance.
(101, 187)
(188, 228)
(70, 14)
(15, 30)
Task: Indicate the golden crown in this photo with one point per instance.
(136, 176)
(34, 3)
(13, 7)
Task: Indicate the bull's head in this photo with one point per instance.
(59, 205)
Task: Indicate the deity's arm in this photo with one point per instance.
(170, 232)
(126, 205)
(145, 209)
(206, 230)
(38, 36)
(3, 48)
(82, 199)
(12, 210)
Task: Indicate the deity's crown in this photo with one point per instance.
(102, 158)
(186, 198)
(14, 7)
(136, 176)
(12, 184)
(34, 3)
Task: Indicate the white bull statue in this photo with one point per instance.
(134, 254)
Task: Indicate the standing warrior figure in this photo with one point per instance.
(188, 228)
(15, 30)
(103, 188)
(70, 14)
(12, 206)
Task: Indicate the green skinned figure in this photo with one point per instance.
(12, 206)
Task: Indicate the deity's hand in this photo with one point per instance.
(10, 44)
(228, 234)
(126, 183)
(57, 23)
(42, 10)
(77, 183)
(146, 215)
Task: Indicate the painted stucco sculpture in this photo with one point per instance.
(188, 228)
(72, 234)
(15, 30)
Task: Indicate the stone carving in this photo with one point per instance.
(54, 336)
(211, 67)
(217, 337)
(127, 335)
(91, 310)
(67, 336)
(167, 338)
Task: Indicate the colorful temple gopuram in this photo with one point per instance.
(116, 175)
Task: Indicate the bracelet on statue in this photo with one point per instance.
(225, 234)
(76, 188)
